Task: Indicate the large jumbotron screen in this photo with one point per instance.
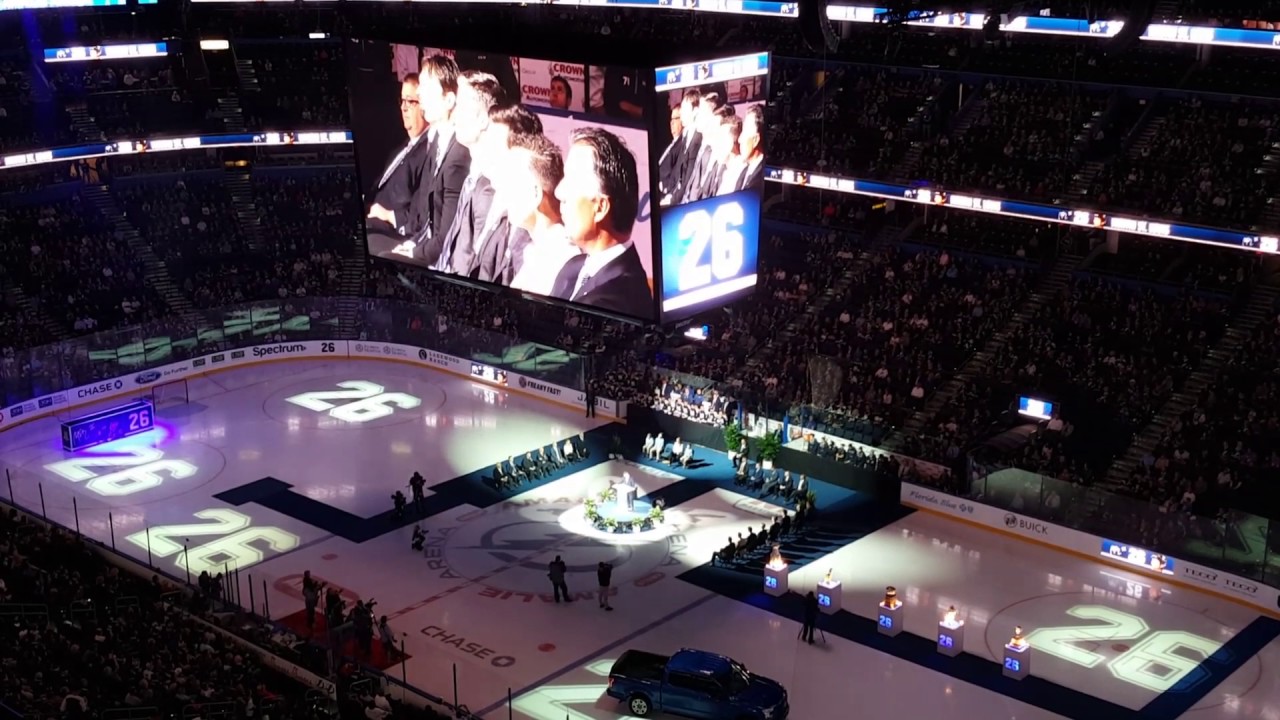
(531, 174)
(710, 180)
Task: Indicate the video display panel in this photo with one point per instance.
(527, 173)
(710, 180)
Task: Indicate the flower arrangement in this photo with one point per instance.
(656, 515)
(611, 525)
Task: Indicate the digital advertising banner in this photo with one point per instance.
(526, 173)
(710, 179)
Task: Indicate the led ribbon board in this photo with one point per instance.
(106, 52)
(107, 426)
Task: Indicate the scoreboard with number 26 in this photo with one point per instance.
(710, 249)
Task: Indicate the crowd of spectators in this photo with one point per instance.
(301, 86)
(865, 122)
(62, 251)
(1201, 163)
(888, 321)
(1012, 152)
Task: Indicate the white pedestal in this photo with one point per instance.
(889, 619)
(626, 496)
(775, 580)
(1017, 662)
(951, 638)
(830, 596)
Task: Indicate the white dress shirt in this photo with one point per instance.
(544, 257)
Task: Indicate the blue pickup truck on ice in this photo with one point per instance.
(695, 684)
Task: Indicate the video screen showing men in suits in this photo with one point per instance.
(716, 141)
(710, 180)
(499, 174)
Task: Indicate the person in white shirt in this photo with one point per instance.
(648, 443)
(532, 168)
(659, 444)
(687, 456)
(677, 448)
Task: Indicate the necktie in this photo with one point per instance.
(583, 279)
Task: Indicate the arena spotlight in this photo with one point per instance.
(816, 28)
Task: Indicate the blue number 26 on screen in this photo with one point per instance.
(710, 249)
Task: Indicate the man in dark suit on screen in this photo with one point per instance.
(671, 164)
(390, 216)
(476, 215)
(501, 253)
(599, 201)
(436, 202)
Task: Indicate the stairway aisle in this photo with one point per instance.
(155, 272)
(239, 185)
(1054, 282)
(1260, 309)
(801, 322)
(16, 297)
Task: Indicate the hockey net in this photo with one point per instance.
(170, 393)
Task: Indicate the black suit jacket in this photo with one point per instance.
(472, 211)
(685, 172)
(620, 286)
(697, 175)
(753, 178)
(502, 253)
(439, 203)
(671, 164)
(711, 181)
(401, 188)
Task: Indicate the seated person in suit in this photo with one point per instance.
(500, 477)
(741, 471)
(558, 456)
(659, 444)
(784, 485)
(742, 543)
(677, 449)
(686, 457)
(770, 486)
(757, 478)
(648, 444)
(725, 554)
(786, 523)
(544, 462)
(530, 466)
(599, 202)
(514, 471)
(801, 488)
(570, 453)
(580, 446)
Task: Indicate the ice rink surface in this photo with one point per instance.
(290, 467)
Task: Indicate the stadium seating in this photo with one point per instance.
(912, 329)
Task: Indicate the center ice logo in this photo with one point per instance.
(504, 551)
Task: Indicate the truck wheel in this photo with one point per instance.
(639, 706)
